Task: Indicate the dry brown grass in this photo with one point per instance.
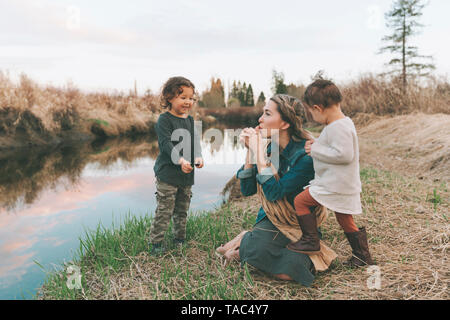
(414, 144)
(36, 114)
(383, 96)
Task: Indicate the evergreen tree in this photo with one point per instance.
(402, 19)
(234, 91)
(249, 100)
(278, 82)
(241, 93)
(261, 100)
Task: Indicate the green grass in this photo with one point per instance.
(99, 122)
(104, 253)
(434, 198)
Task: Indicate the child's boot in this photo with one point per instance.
(360, 248)
(309, 243)
(157, 249)
(179, 243)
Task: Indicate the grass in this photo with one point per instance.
(107, 256)
(408, 236)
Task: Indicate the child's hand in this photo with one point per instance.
(185, 165)
(308, 146)
(199, 162)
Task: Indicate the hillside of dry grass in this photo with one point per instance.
(414, 144)
(31, 114)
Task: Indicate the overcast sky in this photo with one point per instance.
(104, 45)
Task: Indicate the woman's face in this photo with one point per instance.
(271, 120)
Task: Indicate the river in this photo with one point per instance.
(50, 197)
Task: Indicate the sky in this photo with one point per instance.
(108, 45)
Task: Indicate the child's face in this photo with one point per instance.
(183, 102)
(271, 119)
(317, 113)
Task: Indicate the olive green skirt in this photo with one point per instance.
(265, 249)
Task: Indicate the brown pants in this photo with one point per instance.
(303, 201)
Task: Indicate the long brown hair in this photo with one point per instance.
(292, 111)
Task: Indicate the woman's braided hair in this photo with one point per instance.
(292, 111)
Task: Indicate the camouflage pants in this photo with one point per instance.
(172, 202)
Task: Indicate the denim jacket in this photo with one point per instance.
(295, 170)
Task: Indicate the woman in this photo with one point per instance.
(265, 246)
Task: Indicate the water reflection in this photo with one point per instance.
(48, 198)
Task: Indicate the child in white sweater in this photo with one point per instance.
(336, 184)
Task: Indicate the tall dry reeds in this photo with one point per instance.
(383, 96)
(31, 112)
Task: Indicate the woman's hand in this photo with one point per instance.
(255, 141)
(244, 136)
(185, 165)
(308, 146)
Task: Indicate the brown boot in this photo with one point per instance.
(309, 243)
(360, 248)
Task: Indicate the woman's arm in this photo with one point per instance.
(247, 175)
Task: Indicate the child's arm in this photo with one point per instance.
(340, 149)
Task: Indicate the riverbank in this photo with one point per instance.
(35, 115)
(405, 213)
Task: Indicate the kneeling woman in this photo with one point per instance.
(265, 246)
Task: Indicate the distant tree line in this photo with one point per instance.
(241, 94)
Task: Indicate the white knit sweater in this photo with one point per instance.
(335, 153)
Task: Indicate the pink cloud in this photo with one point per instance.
(16, 265)
(15, 245)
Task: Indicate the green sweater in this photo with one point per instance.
(170, 146)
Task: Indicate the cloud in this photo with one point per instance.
(42, 23)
